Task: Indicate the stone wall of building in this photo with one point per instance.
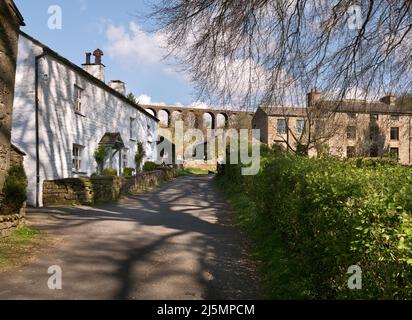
(96, 190)
(10, 22)
(344, 134)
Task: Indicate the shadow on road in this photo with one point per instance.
(175, 242)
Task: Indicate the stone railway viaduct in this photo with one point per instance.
(215, 118)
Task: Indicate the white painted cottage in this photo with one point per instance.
(75, 111)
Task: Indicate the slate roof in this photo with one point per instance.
(356, 106)
(285, 111)
(345, 106)
(87, 75)
(112, 139)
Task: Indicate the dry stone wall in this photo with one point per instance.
(10, 222)
(96, 190)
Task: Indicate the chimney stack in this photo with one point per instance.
(390, 99)
(313, 98)
(97, 69)
(119, 86)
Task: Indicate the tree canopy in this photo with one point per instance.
(253, 52)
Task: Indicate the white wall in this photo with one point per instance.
(60, 127)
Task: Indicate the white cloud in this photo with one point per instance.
(133, 45)
(145, 99)
(199, 105)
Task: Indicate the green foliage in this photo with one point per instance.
(15, 190)
(99, 156)
(128, 172)
(26, 233)
(283, 277)
(333, 214)
(372, 162)
(302, 150)
(131, 97)
(109, 172)
(139, 156)
(149, 166)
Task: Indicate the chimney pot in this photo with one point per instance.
(98, 56)
(88, 57)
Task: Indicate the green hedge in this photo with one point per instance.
(333, 214)
(109, 172)
(15, 190)
(128, 172)
(149, 166)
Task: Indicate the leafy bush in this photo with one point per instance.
(139, 156)
(109, 172)
(99, 156)
(149, 166)
(128, 172)
(372, 162)
(333, 214)
(15, 190)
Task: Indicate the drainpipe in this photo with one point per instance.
(36, 93)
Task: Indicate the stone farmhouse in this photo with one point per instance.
(64, 112)
(10, 22)
(351, 128)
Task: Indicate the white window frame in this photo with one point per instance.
(77, 158)
(284, 129)
(300, 129)
(78, 99)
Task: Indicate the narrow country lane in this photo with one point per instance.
(176, 242)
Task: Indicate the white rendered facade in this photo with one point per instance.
(62, 130)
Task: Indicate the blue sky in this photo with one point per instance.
(118, 28)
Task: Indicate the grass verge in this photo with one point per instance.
(191, 171)
(18, 248)
(282, 277)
